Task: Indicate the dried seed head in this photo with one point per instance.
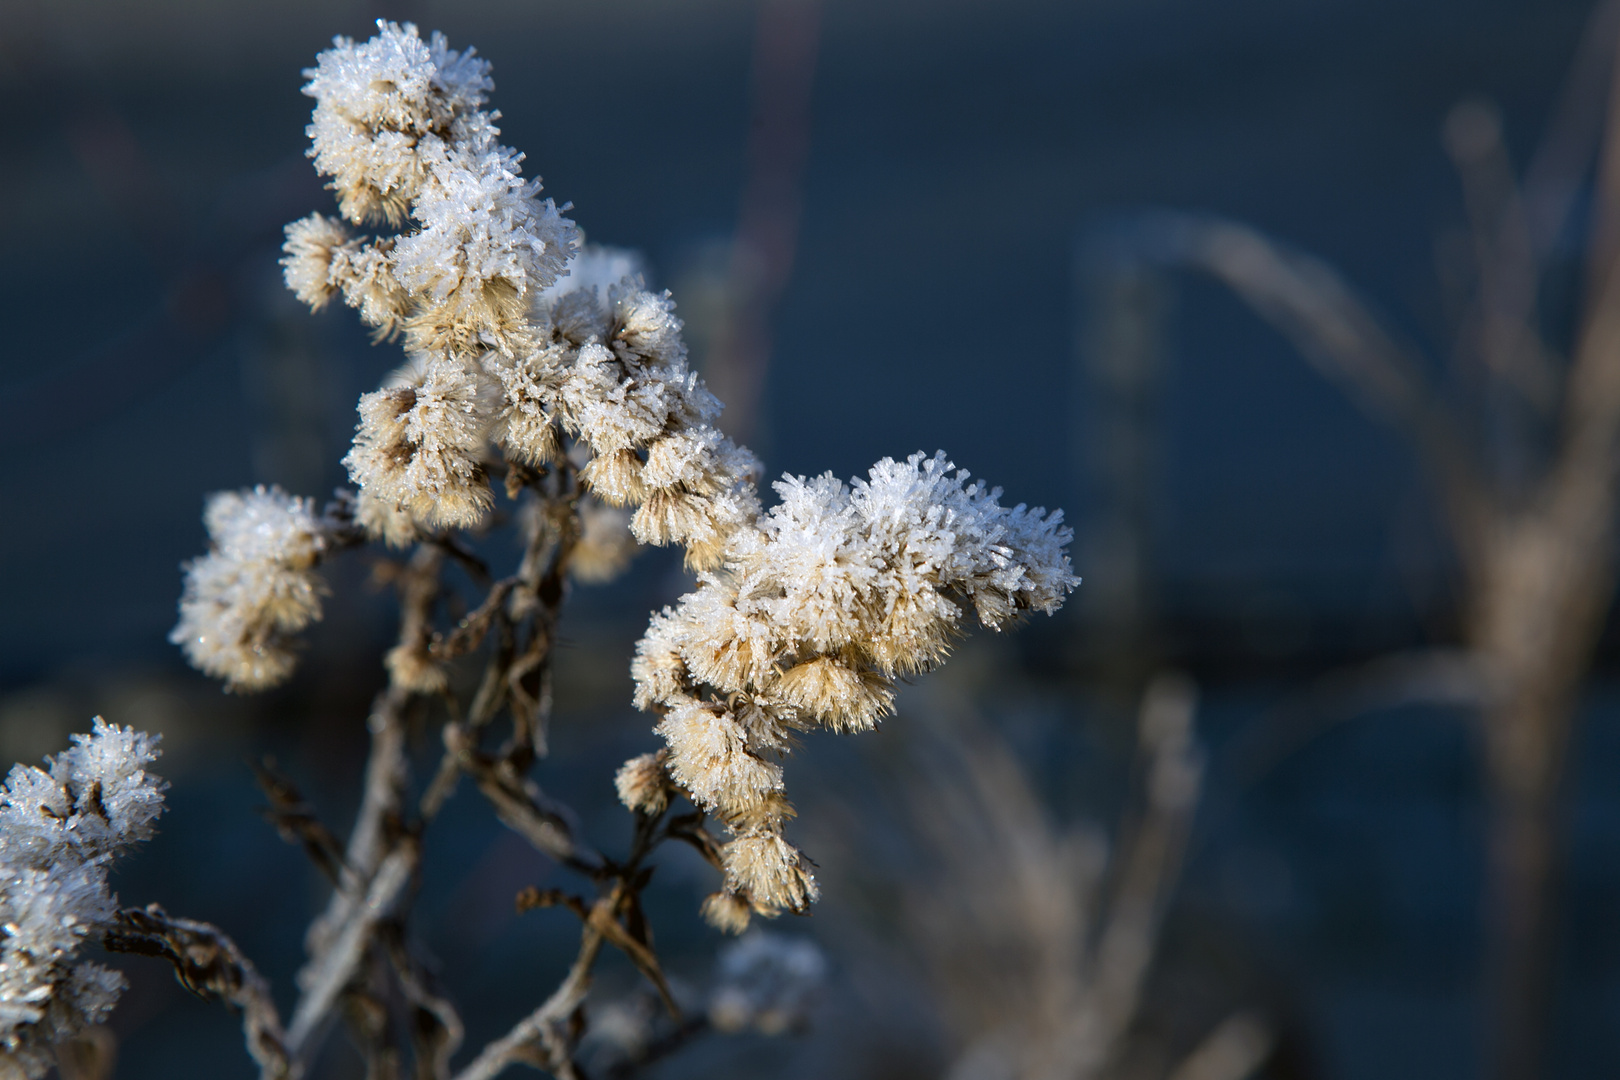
(726, 911)
(771, 873)
(605, 546)
(643, 784)
(838, 696)
(615, 477)
(413, 668)
(254, 589)
(420, 445)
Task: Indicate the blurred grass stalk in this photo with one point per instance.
(1522, 446)
(1040, 938)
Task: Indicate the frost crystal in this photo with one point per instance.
(822, 603)
(420, 443)
(254, 588)
(59, 827)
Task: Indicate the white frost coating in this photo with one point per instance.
(594, 268)
(491, 284)
(420, 443)
(59, 827)
(254, 589)
(823, 601)
(375, 101)
(399, 126)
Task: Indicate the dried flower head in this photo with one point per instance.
(420, 444)
(59, 828)
(643, 784)
(254, 589)
(823, 601)
(311, 245)
(726, 911)
(605, 546)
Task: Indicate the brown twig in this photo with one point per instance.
(325, 977)
(294, 818)
(380, 858)
(209, 964)
(469, 634)
(435, 1026)
(521, 806)
(542, 1038)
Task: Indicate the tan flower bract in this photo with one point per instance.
(726, 911)
(385, 521)
(616, 477)
(411, 666)
(642, 783)
(770, 872)
(311, 245)
(709, 757)
(837, 695)
(605, 545)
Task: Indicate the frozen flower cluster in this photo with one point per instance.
(821, 604)
(517, 337)
(526, 351)
(59, 828)
(254, 589)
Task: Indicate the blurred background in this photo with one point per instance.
(895, 225)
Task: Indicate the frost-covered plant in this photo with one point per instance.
(60, 827)
(542, 370)
(254, 589)
(820, 604)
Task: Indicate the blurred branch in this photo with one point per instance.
(435, 1026)
(1558, 169)
(1445, 677)
(1503, 325)
(294, 818)
(1150, 861)
(1536, 534)
(1043, 969)
(1309, 303)
(1233, 1051)
(324, 978)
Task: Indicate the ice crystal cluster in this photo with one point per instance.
(505, 350)
(526, 349)
(820, 604)
(59, 828)
(254, 589)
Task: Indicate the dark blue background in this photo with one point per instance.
(961, 154)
